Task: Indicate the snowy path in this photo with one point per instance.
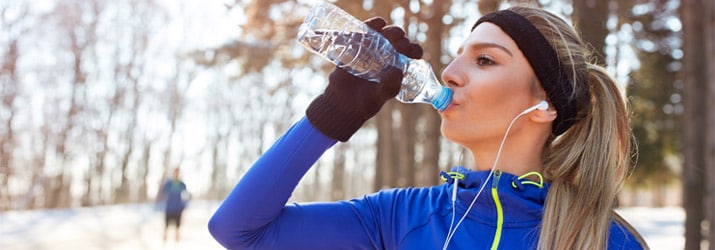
(127, 227)
(138, 227)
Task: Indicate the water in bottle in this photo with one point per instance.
(352, 45)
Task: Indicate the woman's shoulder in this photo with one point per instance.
(402, 210)
(427, 193)
(411, 200)
(624, 236)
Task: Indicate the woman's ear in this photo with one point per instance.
(543, 115)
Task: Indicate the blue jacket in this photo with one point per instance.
(255, 215)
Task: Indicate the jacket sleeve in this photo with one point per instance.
(255, 215)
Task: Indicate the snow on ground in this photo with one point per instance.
(127, 227)
(662, 228)
(135, 227)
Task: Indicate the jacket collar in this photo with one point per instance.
(522, 204)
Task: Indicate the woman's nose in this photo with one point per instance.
(450, 75)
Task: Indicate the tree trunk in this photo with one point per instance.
(432, 134)
(218, 161)
(8, 93)
(406, 143)
(487, 6)
(430, 162)
(337, 190)
(708, 8)
(122, 192)
(697, 18)
(384, 169)
(590, 18)
(386, 159)
(144, 172)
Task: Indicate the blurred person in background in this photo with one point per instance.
(174, 197)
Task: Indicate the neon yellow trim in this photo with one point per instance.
(454, 175)
(539, 184)
(500, 212)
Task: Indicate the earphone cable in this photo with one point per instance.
(452, 231)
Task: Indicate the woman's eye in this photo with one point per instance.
(484, 60)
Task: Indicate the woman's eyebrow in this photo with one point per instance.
(478, 46)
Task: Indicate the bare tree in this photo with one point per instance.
(78, 21)
(698, 18)
(434, 51)
(12, 29)
(145, 21)
(385, 159)
(337, 187)
(590, 18)
(220, 118)
(175, 105)
(386, 170)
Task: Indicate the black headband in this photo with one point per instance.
(545, 62)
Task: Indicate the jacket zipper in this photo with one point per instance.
(500, 211)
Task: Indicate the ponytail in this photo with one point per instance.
(588, 163)
(586, 167)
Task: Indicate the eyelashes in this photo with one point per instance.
(484, 60)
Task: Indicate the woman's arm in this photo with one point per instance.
(260, 195)
(254, 214)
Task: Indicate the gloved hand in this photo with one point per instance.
(348, 101)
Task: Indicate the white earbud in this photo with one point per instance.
(542, 105)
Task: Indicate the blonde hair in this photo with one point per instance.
(588, 163)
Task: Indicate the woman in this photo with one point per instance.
(554, 187)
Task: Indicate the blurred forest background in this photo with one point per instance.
(100, 99)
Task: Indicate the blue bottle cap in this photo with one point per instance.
(443, 99)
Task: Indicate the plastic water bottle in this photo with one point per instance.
(352, 45)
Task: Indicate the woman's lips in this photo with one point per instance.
(451, 106)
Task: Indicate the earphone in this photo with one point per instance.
(542, 105)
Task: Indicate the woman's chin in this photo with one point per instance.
(448, 132)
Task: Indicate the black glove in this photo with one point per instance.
(348, 101)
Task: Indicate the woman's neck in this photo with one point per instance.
(519, 154)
